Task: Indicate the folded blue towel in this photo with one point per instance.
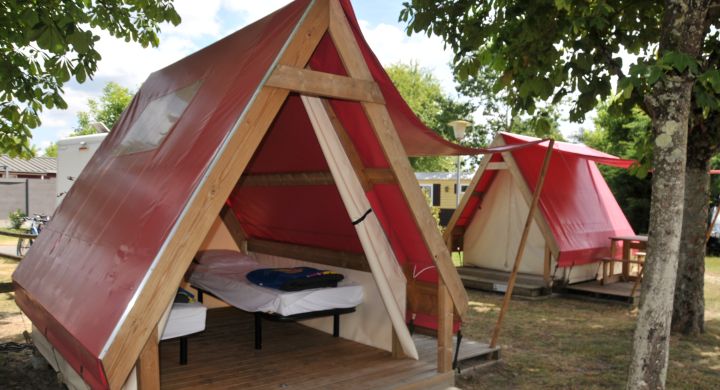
(294, 279)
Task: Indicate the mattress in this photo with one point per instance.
(184, 319)
(228, 282)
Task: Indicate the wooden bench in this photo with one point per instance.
(608, 269)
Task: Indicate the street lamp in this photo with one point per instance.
(100, 127)
(458, 127)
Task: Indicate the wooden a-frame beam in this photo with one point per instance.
(381, 258)
(349, 147)
(203, 208)
(234, 228)
(351, 56)
(451, 226)
(322, 84)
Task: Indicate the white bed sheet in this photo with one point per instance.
(228, 282)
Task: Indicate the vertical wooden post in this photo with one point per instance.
(521, 247)
(625, 264)
(148, 364)
(445, 328)
(397, 350)
(547, 267)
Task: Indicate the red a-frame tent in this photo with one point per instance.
(292, 126)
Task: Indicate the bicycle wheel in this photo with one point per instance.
(23, 245)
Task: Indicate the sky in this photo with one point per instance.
(207, 21)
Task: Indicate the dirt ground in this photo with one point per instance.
(24, 369)
(556, 343)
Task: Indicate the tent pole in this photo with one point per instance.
(445, 329)
(712, 224)
(148, 364)
(521, 247)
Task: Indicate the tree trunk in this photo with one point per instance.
(689, 303)
(669, 106)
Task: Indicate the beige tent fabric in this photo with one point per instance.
(492, 238)
(369, 325)
(385, 269)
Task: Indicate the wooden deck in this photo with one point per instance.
(487, 279)
(293, 357)
(618, 291)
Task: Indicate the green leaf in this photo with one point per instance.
(680, 61)
(627, 91)
(653, 75)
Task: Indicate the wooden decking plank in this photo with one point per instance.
(302, 369)
(618, 291)
(223, 357)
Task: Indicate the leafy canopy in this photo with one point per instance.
(45, 44)
(627, 136)
(547, 50)
(51, 150)
(107, 110)
(497, 115)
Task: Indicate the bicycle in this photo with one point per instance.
(36, 225)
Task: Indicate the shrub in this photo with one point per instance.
(16, 218)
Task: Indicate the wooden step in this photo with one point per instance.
(496, 281)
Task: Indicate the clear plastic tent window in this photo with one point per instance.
(156, 121)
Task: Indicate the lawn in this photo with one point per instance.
(563, 343)
(5, 240)
(12, 323)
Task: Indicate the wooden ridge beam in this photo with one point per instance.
(322, 84)
(287, 179)
(350, 260)
(372, 176)
(380, 176)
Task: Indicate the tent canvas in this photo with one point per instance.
(577, 212)
(226, 126)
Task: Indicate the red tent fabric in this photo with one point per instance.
(575, 200)
(84, 272)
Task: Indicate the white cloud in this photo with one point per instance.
(392, 45)
(129, 64)
(198, 18)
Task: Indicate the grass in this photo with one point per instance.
(563, 343)
(12, 322)
(5, 240)
(457, 258)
